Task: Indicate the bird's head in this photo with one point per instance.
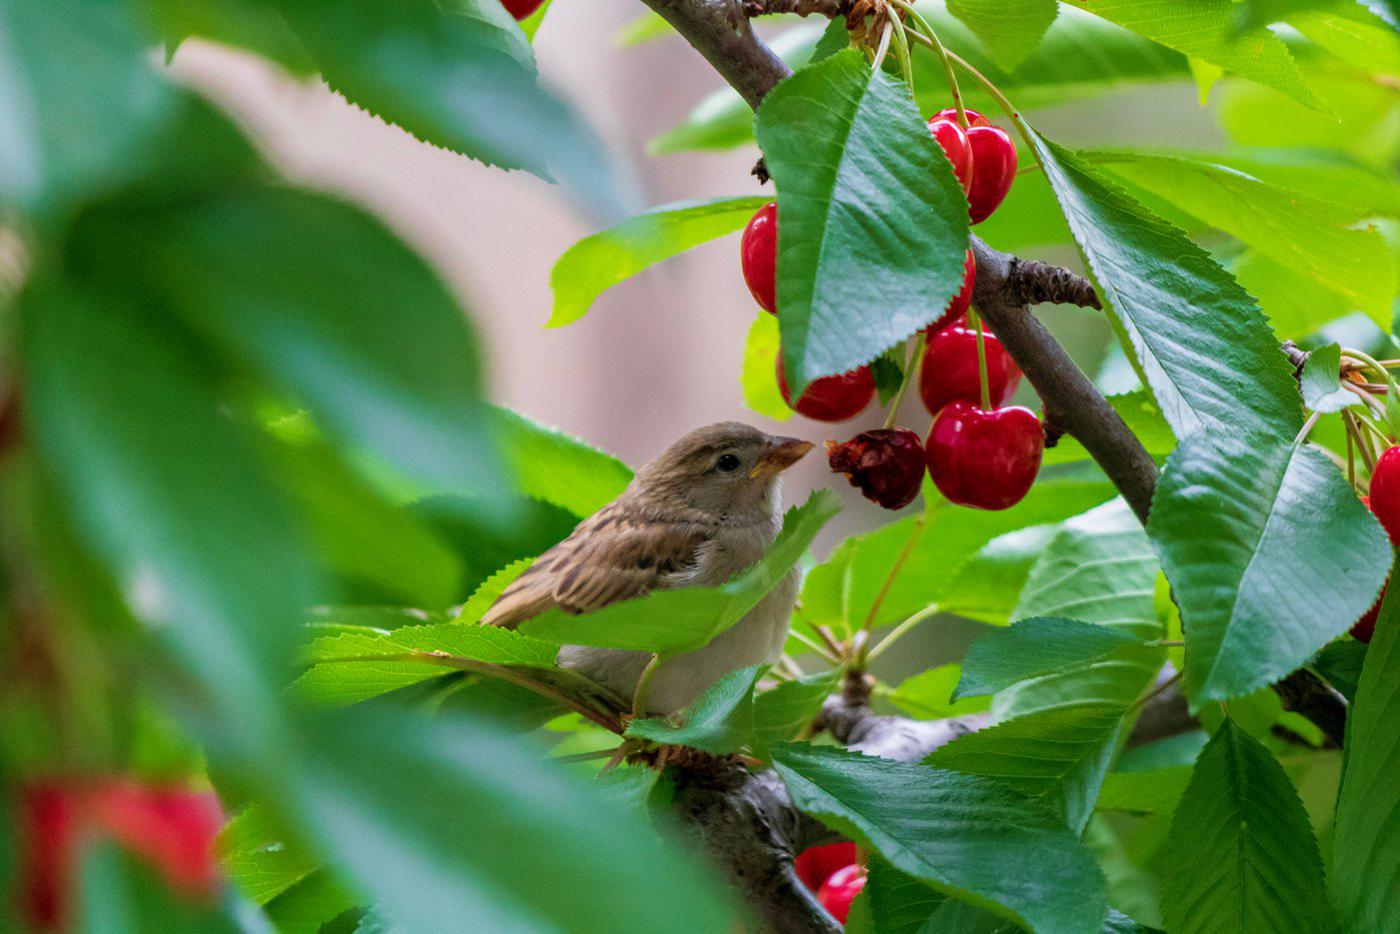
(724, 469)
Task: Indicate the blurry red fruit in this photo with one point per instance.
(837, 893)
(521, 8)
(886, 464)
(831, 398)
(815, 864)
(47, 825)
(171, 828)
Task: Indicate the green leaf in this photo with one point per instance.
(1322, 383)
(1009, 31)
(967, 836)
(309, 904)
(428, 830)
(692, 616)
(259, 858)
(548, 465)
(899, 903)
(780, 713)
(1341, 662)
(718, 722)
(599, 262)
(1366, 848)
(759, 377)
(928, 695)
(282, 279)
(168, 491)
(1309, 235)
(120, 894)
(1208, 31)
(1039, 646)
(1296, 305)
(338, 677)
(1205, 350)
(1140, 413)
(490, 591)
(1244, 526)
(1153, 792)
(1241, 855)
(872, 224)
(79, 99)
(1059, 754)
(990, 582)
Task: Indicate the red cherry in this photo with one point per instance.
(47, 836)
(959, 304)
(973, 117)
(984, 459)
(521, 8)
(949, 372)
(1385, 492)
(887, 464)
(837, 893)
(953, 139)
(172, 828)
(1365, 627)
(831, 398)
(816, 863)
(993, 170)
(758, 255)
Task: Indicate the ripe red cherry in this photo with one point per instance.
(958, 305)
(973, 117)
(953, 139)
(831, 398)
(984, 459)
(949, 372)
(521, 8)
(993, 170)
(887, 464)
(1385, 492)
(1365, 627)
(815, 864)
(758, 255)
(837, 893)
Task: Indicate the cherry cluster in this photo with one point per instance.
(834, 873)
(978, 453)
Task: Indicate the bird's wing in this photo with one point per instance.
(611, 556)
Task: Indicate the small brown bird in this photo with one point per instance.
(702, 512)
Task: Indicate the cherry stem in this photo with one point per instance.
(896, 566)
(1368, 360)
(901, 50)
(884, 47)
(899, 631)
(1371, 401)
(981, 361)
(1363, 444)
(1307, 427)
(639, 696)
(817, 647)
(911, 366)
(1351, 452)
(937, 45)
(1176, 676)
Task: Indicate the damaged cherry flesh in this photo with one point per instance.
(886, 464)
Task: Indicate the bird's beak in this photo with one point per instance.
(778, 455)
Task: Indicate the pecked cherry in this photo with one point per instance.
(886, 464)
(758, 256)
(953, 139)
(521, 9)
(815, 864)
(949, 371)
(831, 398)
(837, 893)
(959, 304)
(984, 459)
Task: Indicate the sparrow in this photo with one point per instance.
(705, 510)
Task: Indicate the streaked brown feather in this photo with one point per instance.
(588, 570)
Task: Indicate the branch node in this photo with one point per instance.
(1030, 282)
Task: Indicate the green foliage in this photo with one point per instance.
(1010, 31)
(781, 713)
(1243, 526)
(759, 375)
(928, 695)
(1366, 850)
(965, 835)
(1321, 381)
(599, 262)
(548, 465)
(1039, 646)
(1242, 855)
(693, 615)
(872, 224)
(719, 721)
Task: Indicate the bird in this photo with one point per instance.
(703, 511)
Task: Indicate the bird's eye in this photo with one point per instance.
(727, 463)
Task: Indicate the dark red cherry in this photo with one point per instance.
(959, 304)
(886, 464)
(815, 864)
(520, 9)
(993, 170)
(949, 372)
(953, 139)
(831, 398)
(984, 459)
(758, 255)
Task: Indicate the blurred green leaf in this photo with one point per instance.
(965, 835)
(759, 377)
(1242, 855)
(872, 224)
(1295, 303)
(1366, 847)
(546, 464)
(1244, 525)
(305, 907)
(1039, 646)
(78, 98)
(490, 591)
(1152, 792)
(1373, 46)
(1205, 350)
(646, 27)
(1009, 31)
(1311, 236)
(259, 858)
(1207, 30)
(718, 722)
(120, 895)
(989, 583)
(671, 622)
(898, 902)
(464, 843)
(1341, 662)
(1366, 124)
(781, 712)
(928, 695)
(1143, 418)
(1321, 382)
(602, 260)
